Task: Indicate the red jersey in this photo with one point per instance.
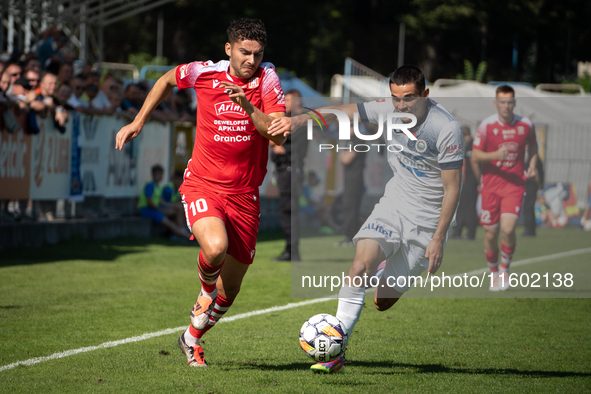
(229, 155)
(493, 134)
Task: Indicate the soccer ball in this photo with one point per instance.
(323, 337)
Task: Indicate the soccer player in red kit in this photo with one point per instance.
(500, 145)
(238, 99)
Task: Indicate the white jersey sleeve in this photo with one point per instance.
(371, 110)
(450, 146)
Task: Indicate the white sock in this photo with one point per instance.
(190, 339)
(210, 295)
(351, 301)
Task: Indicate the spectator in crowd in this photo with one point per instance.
(33, 77)
(60, 100)
(44, 102)
(86, 70)
(144, 90)
(66, 72)
(543, 213)
(132, 98)
(20, 94)
(116, 97)
(466, 214)
(62, 95)
(32, 63)
(75, 100)
(49, 48)
(181, 106)
(14, 71)
(109, 84)
(98, 101)
(46, 89)
(5, 81)
(151, 205)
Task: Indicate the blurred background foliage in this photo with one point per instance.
(522, 40)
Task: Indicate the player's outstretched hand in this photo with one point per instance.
(126, 134)
(235, 93)
(434, 253)
(280, 126)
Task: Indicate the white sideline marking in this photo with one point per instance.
(530, 261)
(249, 314)
(157, 334)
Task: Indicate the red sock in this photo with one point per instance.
(506, 256)
(220, 308)
(492, 259)
(208, 274)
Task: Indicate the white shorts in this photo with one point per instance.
(403, 242)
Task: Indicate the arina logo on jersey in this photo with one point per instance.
(228, 107)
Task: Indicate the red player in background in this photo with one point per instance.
(238, 99)
(500, 145)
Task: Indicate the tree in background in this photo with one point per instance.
(312, 38)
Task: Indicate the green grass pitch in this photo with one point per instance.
(79, 294)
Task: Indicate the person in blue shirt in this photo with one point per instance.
(161, 203)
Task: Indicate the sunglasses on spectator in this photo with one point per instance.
(15, 74)
(33, 80)
(92, 88)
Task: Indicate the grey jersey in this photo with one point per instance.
(416, 190)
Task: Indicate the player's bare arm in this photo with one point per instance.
(161, 89)
(532, 151)
(483, 157)
(286, 125)
(451, 180)
(475, 167)
(261, 120)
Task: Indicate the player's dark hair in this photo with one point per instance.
(294, 92)
(505, 89)
(157, 168)
(247, 29)
(409, 74)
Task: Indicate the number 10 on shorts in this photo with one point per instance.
(198, 206)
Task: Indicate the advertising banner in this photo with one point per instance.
(50, 162)
(15, 165)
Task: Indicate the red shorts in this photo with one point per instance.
(499, 202)
(240, 213)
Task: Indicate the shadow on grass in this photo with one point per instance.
(80, 249)
(100, 250)
(379, 367)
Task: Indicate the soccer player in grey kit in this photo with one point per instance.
(408, 227)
